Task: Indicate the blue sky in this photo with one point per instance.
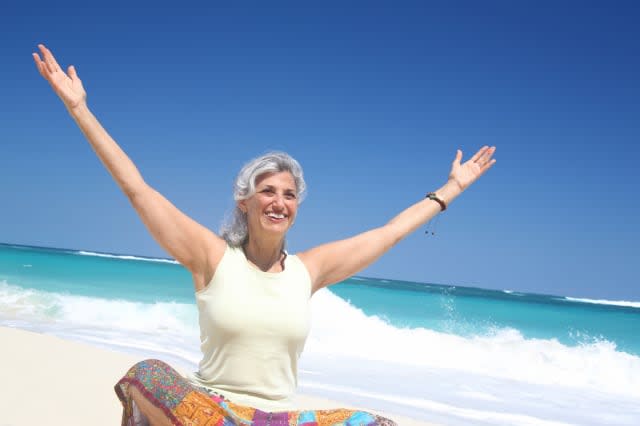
(373, 98)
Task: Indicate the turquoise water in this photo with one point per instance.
(448, 354)
(95, 274)
(461, 311)
(471, 311)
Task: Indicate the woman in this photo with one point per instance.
(253, 298)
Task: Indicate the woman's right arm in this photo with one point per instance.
(194, 246)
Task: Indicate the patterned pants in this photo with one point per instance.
(188, 405)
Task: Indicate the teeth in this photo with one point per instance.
(276, 215)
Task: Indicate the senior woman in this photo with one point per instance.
(252, 297)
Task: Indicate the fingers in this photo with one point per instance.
(486, 167)
(485, 161)
(485, 158)
(478, 154)
(42, 61)
(39, 63)
(488, 164)
(49, 59)
(42, 68)
(48, 66)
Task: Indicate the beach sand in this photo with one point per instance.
(48, 380)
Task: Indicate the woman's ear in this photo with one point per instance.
(242, 205)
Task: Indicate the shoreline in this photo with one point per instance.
(77, 380)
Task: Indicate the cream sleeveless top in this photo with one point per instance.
(253, 326)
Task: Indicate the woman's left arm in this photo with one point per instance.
(333, 262)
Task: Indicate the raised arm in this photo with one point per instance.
(190, 243)
(333, 262)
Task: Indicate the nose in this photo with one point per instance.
(278, 202)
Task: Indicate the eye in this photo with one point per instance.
(290, 196)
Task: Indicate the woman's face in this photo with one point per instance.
(272, 209)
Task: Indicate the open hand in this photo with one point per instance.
(465, 174)
(66, 85)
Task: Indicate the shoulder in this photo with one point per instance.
(299, 262)
(216, 260)
(310, 259)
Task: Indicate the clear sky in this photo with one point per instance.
(373, 98)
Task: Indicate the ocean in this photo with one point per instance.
(441, 353)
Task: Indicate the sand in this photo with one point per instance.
(48, 380)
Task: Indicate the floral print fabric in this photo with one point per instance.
(188, 405)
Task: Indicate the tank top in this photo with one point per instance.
(253, 326)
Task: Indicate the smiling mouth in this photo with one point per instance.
(276, 216)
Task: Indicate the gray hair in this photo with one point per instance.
(235, 228)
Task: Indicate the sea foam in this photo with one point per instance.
(339, 331)
(126, 257)
(604, 302)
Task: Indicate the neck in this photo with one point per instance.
(265, 254)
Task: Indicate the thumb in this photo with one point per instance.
(72, 72)
(458, 157)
